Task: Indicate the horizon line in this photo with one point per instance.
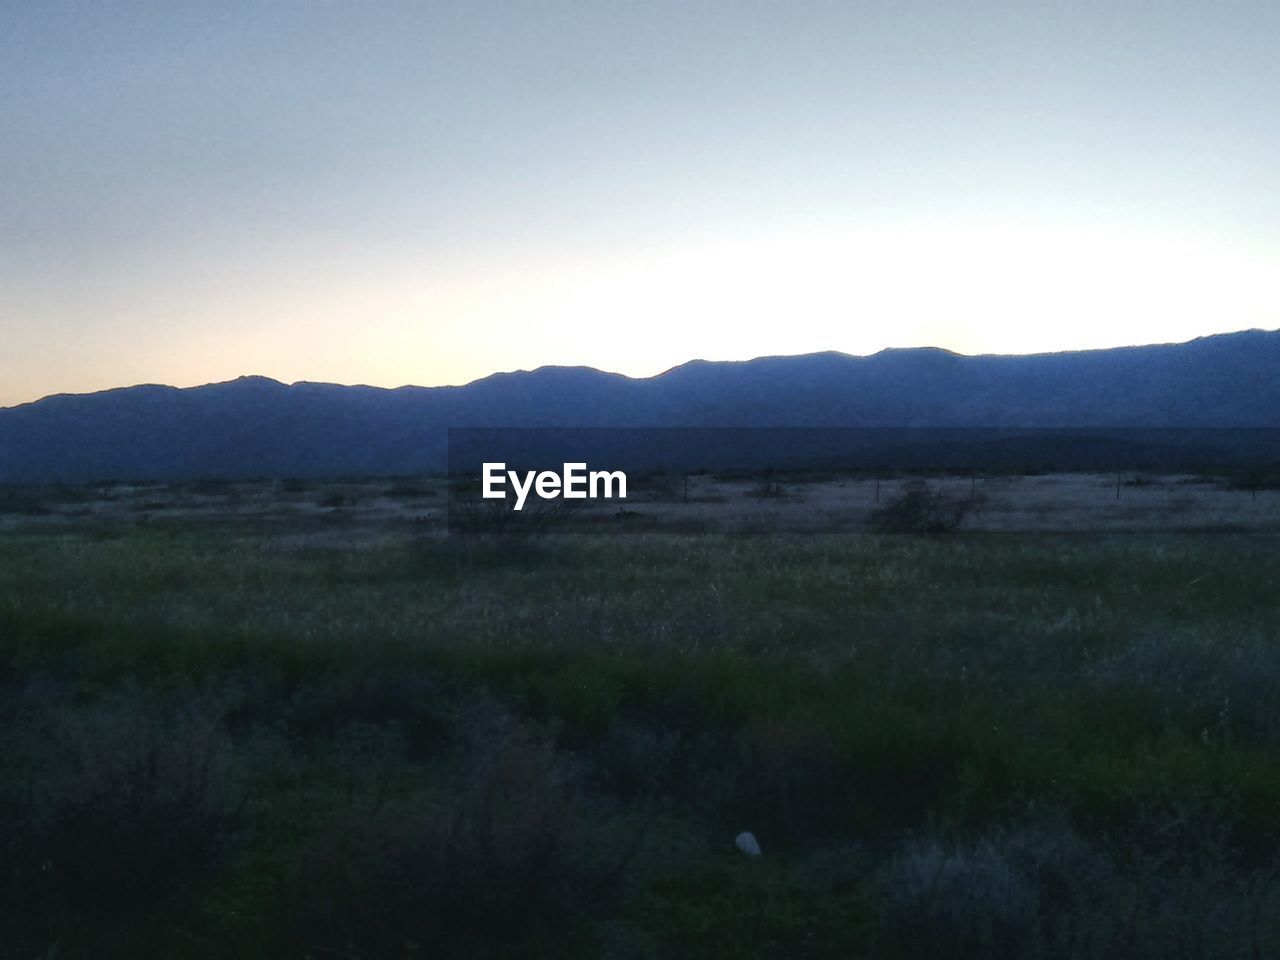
(655, 376)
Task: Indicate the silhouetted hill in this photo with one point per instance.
(255, 426)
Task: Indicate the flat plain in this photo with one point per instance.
(301, 719)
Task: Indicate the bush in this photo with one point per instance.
(917, 509)
(472, 517)
(506, 860)
(125, 810)
(1172, 889)
(22, 502)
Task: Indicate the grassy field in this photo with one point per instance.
(699, 503)
(298, 720)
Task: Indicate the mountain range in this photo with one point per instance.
(255, 426)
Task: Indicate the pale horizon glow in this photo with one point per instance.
(412, 193)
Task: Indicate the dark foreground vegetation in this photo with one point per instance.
(220, 743)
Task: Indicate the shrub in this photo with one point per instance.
(473, 517)
(22, 502)
(1172, 889)
(503, 861)
(973, 901)
(917, 509)
(768, 487)
(126, 808)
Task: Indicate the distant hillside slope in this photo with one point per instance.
(258, 427)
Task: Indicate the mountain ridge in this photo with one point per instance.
(250, 377)
(258, 426)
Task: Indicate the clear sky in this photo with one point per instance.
(424, 192)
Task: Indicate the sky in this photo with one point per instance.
(426, 192)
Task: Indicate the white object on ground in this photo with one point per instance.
(748, 844)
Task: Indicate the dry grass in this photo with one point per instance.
(1004, 504)
(266, 729)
